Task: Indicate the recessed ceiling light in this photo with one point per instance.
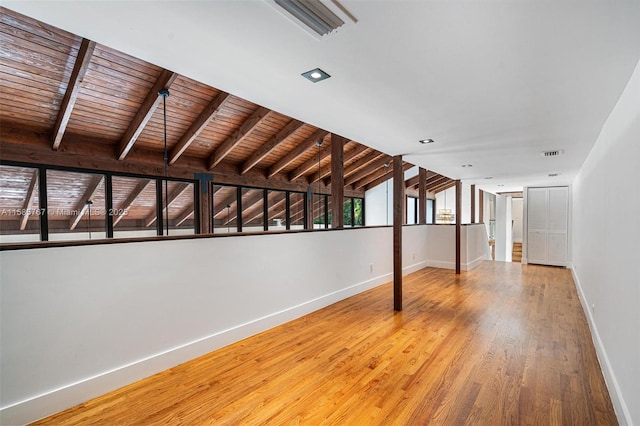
(553, 174)
(425, 141)
(315, 75)
(489, 177)
(500, 185)
(467, 165)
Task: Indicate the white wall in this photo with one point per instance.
(379, 205)
(504, 238)
(606, 249)
(466, 203)
(441, 246)
(488, 210)
(516, 216)
(75, 326)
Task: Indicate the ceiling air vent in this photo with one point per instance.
(317, 17)
(556, 153)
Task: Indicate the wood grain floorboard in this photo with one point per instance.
(504, 344)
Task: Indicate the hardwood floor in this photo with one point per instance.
(503, 344)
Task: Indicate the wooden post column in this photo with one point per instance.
(337, 181)
(206, 208)
(422, 196)
(473, 204)
(458, 222)
(481, 206)
(398, 219)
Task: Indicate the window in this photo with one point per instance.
(76, 207)
(348, 212)
(253, 210)
(412, 210)
(134, 207)
(178, 214)
(19, 205)
(358, 211)
(277, 210)
(297, 208)
(225, 216)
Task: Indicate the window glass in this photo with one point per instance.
(252, 210)
(412, 204)
(296, 210)
(19, 205)
(180, 210)
(277, 209)
(225, 217)
(348, 220)
(75, 206)
(134, 207)
(358, 212)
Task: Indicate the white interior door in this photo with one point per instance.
(547, 224)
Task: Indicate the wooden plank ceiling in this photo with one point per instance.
(68, 101)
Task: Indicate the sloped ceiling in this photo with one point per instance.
(494, 83)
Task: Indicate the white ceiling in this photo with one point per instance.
(493, 82)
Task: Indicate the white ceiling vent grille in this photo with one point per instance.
(556, 153)
(317, 17)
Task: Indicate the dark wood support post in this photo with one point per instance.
(398, 219)
(473, 204)
(337, 181)
(422, 196)
(205, 207)
(481, 206)
(458, 222)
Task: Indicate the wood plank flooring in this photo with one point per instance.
(503, 344)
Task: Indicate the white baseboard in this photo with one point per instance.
(619, 405)
(473, 264)
(443, 264)
(56, 400)
(413, 268)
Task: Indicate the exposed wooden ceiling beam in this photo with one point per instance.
(270, 145)
(27, 146)
(378, 163)
(325, 151)
(145, 113)
(435, 181)
(348, 156)
(237, 136)
(362, 162)
(73, 89)
(297, 151)
(198, 125)
(444, 186)
(177, 191)
(324, 172)
(28, 200)
(381, 178)
(412, 181)
(82, 205)
(141, 186)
